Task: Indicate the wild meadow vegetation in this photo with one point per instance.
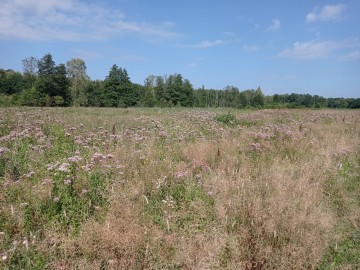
(110, 188)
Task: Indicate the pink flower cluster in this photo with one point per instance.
(255, 147)
(4, 150)
(64, 167)
(203, 166)
(262, 135)
(181, 174)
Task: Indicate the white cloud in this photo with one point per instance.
(71, 20)
(206, 44)
(275, 26)
(352, 56)
(315, 49)
(326, 13)
(251, 48)
(308, 50)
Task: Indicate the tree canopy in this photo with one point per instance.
(43, 83)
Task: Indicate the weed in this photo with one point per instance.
(227, 119)
(86, 188)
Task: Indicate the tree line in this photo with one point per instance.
(43, 83)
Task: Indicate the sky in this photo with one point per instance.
(305, 47)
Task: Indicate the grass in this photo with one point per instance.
(100, 188)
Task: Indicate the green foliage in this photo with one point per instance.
(227, 119)
(74, 86)
(119, 91)
(11, 82)
(31, 97)
(28, 259)
(172, 206)
(52, 81)
(345, 251)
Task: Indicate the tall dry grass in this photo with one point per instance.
(263, 192)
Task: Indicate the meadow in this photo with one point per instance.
(101, 188)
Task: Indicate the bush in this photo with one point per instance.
(227, 119)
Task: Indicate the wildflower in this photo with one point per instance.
(75, 159)
(162, 134)
(255, 147)
(24, 204)
(169, 201)
(97, 157)
(47, 181)
(67, 181)
(51, 167)
(181, 174)
(210, 193)
(203, 166)
(115, 137)
(56, 199)
(262, 135)
(160, 182)
(110, 156)
(64, 167)
(4, 257)
(3, 150)
(89, 167)
(83, 192)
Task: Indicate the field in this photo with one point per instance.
(86, 188)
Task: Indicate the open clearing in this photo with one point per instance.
(86, 188)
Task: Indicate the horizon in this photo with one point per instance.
(303, 48)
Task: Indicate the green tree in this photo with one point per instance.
(276, 98)
(258, 100)
(119, 91)
(11, 82)
(148, 98)
(174, 87)
(30, 69)
(31, 97)
(79, 81)
(161, 93)
(62, 84)
(187, 94)
(52, 81)
(94, 93)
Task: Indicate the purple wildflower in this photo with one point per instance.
(64, 167)
(181, 174)
(75, 159)
(255, 147)
(67, 182)
(83, 192)
(3, 150)
(47, 182)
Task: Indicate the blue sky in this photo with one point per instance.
(283, 46)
